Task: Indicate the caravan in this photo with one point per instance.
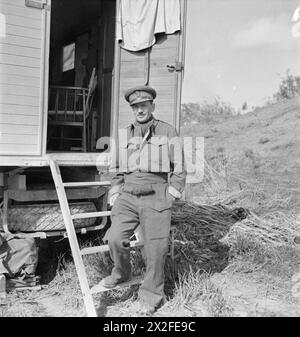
(64, 68)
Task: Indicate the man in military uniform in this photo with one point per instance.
(150, 176)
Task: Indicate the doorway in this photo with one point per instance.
(81, 63)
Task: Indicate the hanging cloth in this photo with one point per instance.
(139, 20)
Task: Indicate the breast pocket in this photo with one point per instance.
(159, 154)
(129, 155)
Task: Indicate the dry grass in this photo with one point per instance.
(269, 243)
(195, 292)
(224, 183)
(273, 230)
(21, 304)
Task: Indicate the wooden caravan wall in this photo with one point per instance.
(22, 50)
(133, 72)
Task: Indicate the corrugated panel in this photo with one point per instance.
(17, 3)
(33, 33)
(14, 109)
(18, 139)
(132, 69)
(9, 69)
(21, 70)
(20, 90)
(9, 118)
(12, 149)
(24, 22)
(17, 129)
(170, 41)
(130, 56)
(20, 50)
(19, 80)
(21, 11)
(17, 60)
(21, 40)
(19, 100)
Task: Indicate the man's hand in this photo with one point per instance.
(174, 193)
(113, 198)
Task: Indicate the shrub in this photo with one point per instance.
(190, 112)
(195, 112)
(289, 87)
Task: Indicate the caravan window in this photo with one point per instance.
(68, 57)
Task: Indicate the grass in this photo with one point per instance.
(268, 243)
(21, 304)
(226, 182)
(195, 292)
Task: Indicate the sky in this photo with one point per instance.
(239, 49)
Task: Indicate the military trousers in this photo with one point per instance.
(153, 213)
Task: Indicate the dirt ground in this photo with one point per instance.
(254, 297)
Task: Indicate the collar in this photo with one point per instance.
(151, 127)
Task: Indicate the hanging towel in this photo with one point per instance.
(139, 20)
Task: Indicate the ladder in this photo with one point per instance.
(78, 253)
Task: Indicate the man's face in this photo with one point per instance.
(143, 111)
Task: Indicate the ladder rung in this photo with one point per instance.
(87, 183)
(98, 288)
(105, 248)
(91, 215)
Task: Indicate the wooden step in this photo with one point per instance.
(90, 215)
(98, 288)
(105, 248)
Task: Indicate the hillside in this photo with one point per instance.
(252, 161)
(262, 147)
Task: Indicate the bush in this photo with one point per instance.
(190, 112)
(289, 87)
(195, 112)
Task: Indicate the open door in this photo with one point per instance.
(80, 46)
(160, 66)
(23, 73)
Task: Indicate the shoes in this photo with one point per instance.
(110, 283)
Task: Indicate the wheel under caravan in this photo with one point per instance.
(64, 68)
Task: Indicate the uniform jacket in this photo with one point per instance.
(160, 152)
